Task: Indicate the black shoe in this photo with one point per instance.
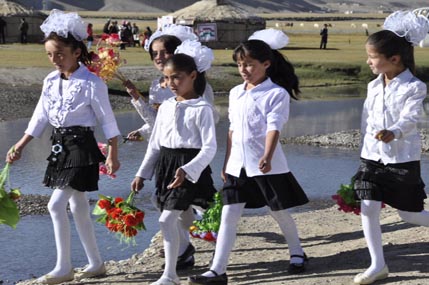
(189, 251)
(202, 280)
(296, 268)
(185, 264)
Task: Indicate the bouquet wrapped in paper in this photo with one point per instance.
(9, 212)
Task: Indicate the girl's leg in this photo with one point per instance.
(370, 212)
(170, 231)
(417, 218)
(289, 230)
(57, 207)
(79, 207)
(226, 238)
(186, 220)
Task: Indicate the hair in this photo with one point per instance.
(70, 41)
(170, 43)
(281, 71)
(389, 44)
(185, 63)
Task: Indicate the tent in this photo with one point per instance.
(12, 12)
(218, 23)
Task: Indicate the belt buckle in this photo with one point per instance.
(57, 148)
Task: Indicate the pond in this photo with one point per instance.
(31, 246)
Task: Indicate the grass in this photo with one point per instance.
(341, 67)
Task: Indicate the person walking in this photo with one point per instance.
(73, 100)
(390, 158)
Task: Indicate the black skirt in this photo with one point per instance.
(278, 191)
(200, 193)
(74, 159)
(398, 185)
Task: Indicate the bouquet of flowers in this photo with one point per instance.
(9, 212)
(102, 169)
(105, 64)
(208, 227)
(345, 199)
(120, 217)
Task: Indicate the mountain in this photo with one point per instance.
(253, 6)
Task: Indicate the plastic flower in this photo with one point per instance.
(102, 169)
(105, 64)
(120, 217)
(208, 227)
(9, 212)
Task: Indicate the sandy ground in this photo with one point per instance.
(332, 239)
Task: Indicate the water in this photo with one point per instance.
(31, 248)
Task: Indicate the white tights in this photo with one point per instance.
(79, 207)
(228, 232)
(370, 212)
(169, 223)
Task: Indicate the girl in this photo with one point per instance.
(182, 145)
(161, 46)
(72, 101)
(255, 171)
(390, 156)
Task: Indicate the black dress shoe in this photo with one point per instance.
(186, 260)
(202, 280)
(296, 268)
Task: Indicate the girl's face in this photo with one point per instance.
(180, 82)
(380, 64)
(62, 57)
(252, 71)
(159, 54)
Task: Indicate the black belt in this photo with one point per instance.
(71, 130)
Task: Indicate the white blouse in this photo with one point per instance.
(82, 100)
(396, 107)
(157, 95)
(184, 124)
(252, 114)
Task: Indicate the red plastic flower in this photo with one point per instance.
(120, 216)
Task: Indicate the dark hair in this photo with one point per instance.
(389, 44)
(185, 63)
(70, 41)
(170, 43)
(281, 71)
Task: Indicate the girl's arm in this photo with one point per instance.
(227, 154)
(270, 145)
(112, 161)
(15, 152)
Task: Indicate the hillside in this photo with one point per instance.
(253, 6)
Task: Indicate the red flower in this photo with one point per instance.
(118, 200)
(130, 220)
(104, 204)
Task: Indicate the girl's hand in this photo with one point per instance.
(131, 89)
(112, 165)
(134, 136)
(264, 165)
(137, 184)
(12, 155)
(179, 178)
(385, 136)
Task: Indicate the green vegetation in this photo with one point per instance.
(340, 69)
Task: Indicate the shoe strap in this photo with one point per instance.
(214, 272)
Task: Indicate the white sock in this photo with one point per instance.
(226, 238)
(416, 218)
(58, 210)
(370, 212)
(289, 230)
(170, 231)
(79, 207)
(186, 220)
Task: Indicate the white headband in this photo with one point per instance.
(63, 24)
(407, 24)
(276, 39)
(183, 33)
(202, 55)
